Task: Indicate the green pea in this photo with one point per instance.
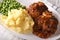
(23, 7)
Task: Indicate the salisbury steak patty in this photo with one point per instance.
(36, 9)
(45, 25)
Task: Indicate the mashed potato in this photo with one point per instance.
(19, 21)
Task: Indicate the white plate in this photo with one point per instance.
(33, 37)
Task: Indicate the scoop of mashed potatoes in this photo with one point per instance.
(19, 21)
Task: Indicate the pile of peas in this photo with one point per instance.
(6, 5)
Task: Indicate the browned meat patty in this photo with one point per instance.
(45, 25)
(36, 9)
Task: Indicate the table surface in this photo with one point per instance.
(56, 3)
(4, 34)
